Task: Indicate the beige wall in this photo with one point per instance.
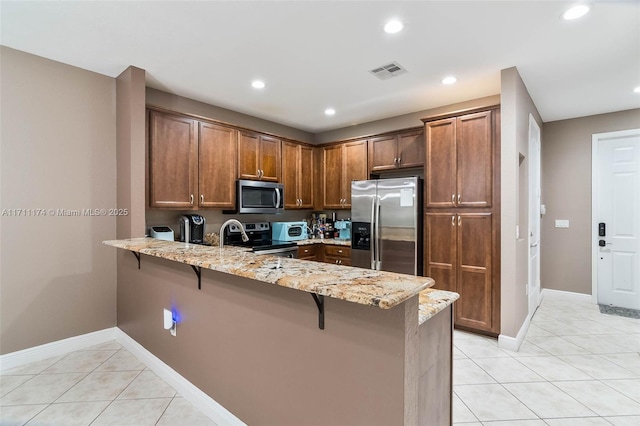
(58, 133)
(130, 150)
(516, 107)
(401, 121)
(566, 191)
(189, 106)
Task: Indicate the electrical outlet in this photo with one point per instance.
(562, 223)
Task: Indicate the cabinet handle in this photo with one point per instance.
(453, 198)
(399, 160)
(191, 199)
(458, 198)
(459, 220)
(339, 251)
(453, 220)
(201, 198)
(306, 250)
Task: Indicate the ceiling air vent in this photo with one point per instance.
(385, 72)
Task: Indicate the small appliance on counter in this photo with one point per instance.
(162, 233)
(344, 226)
(289, 231)
(192, 228)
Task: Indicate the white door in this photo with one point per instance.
(616, 175)
(534, 215)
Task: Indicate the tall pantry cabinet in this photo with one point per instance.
(462, 213)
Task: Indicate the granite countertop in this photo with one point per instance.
(375, 288)
(333, 241)
(433, 301)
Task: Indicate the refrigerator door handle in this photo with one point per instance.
(377, 233)
(373, 236)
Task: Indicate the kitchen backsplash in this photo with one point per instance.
(215, 218)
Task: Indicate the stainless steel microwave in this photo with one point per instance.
(259, 197)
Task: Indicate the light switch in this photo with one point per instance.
(562, 223)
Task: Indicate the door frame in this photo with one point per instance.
(534, 128)
(595, 139)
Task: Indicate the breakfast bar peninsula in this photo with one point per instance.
(281, 341)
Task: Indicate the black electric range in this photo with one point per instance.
(260, 241)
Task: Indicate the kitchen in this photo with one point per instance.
(136, 221)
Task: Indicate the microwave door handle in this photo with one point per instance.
(277, 198)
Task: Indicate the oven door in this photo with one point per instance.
(260, 197)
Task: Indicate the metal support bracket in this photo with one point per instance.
(319, 299)
(137, 255)
(198, 271)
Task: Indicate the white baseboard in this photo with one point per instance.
(567, 295)
(188, 390)
(513, 343)
(60, 347)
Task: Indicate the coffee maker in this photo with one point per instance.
(192, 228)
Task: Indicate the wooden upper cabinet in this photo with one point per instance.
(383, 153)
(440, 163)
(401, 150)
(173, 161)
(411, 149)
(459, 161)
(342, 164)
(475, 160)
(297, 175)
(258, 157)
(332, 187)
(355, 167)
(218, 155)
(306, 178)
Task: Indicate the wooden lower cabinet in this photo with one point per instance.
(340, 255)
(327, 253)
(459, 257)
(308, 252)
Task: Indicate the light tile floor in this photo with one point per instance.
(576, 367)
(100, 385)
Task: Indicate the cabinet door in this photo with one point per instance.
(306, 177)
(290, 174)
(411, 149)
(354, 167)
(440, 249)
(440, 163)
(173, 161)
(475, 160)
(332, 177)
(383, 153)
(269, 163)
(474, 274)
(217, 159)
(248, 151)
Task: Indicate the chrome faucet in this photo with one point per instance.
(245, 237)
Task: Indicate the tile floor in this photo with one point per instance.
(101, 385)
(576, 367)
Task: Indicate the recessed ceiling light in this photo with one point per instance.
(576, 12)
(449, 80)
(257, 84)
(393, 26)
(637, 89)
(329, 111)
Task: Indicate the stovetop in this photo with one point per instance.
(259, 234)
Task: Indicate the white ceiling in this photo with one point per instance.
(317, 54)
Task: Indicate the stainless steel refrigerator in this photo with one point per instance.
(386, 227)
